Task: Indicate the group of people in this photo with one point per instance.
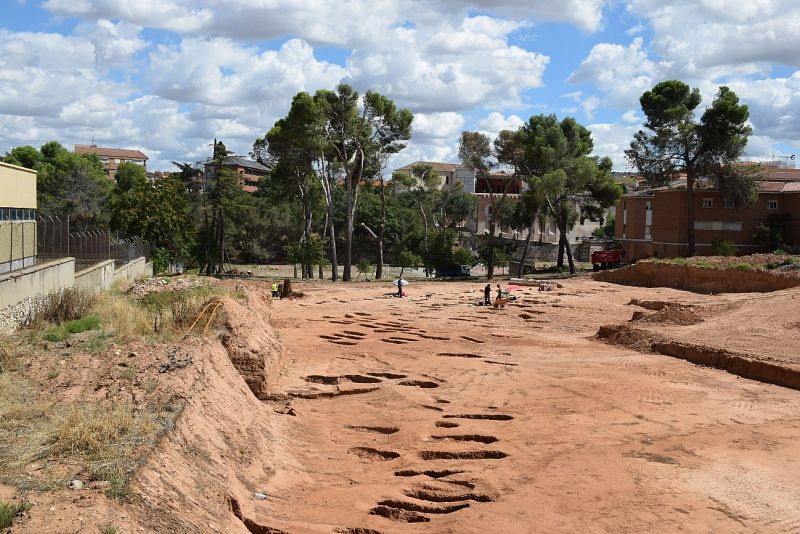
(487, 294)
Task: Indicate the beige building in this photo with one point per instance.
(113, 157)
(17, 217)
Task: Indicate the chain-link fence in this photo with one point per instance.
(56, 239)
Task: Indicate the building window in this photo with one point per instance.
(648, 205)
(729, 204)
(647, 234)
(718, 225)
(708, 202)
(772, 204)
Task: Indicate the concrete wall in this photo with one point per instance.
(134, 270)
(36, 281)
(98, 277)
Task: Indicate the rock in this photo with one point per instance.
(75, 484)
(260, 496)
(133, 355)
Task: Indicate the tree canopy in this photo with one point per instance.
(674, 143)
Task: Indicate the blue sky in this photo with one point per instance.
(168, 76)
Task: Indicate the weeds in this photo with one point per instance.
(66, 305)
(9, 512)
(109, 529)
(105, 438)
(744, 266)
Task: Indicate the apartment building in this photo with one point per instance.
(113, 157)
(17, 217)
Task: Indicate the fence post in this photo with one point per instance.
(67, 235)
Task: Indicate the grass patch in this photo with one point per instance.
(9, 512)
(105, 439)
(109, 529)
(76, 326)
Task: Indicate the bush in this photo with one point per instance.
(160, 259)
(723, 247)
(464, 256)
(65, 305)
(9, 512)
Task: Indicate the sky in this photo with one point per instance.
(169, 76)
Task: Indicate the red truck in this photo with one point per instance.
(607, 259)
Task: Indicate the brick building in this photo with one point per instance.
(654, 223)
(249, 172)
(113, 157)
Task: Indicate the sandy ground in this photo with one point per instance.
(431, 415)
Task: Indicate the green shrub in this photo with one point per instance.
(744, 266)
(90, 322)
(9, 512)
(464, 256)
(723, 247)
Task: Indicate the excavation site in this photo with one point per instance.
(592, 407)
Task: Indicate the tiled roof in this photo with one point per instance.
(781, 173)
(437, 166)
(116, 153)
(246, 163)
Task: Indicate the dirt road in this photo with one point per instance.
(432, 415)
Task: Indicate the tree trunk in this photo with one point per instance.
(521, 269)
(348, 249)
(381, 227)
(425, 237)
(334, 263)
(221, 265)
(563, 242)
(690, 240)
(324, 235)
(490, 256)
(569, 253)
(286, 289)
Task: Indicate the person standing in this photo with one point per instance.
(275, 293)
(499, 292)
(487, 295)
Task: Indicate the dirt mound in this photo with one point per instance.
(698, 279)
(673, 314)
(250, 343)
(743, 365)
(222, 449)
(161, 284)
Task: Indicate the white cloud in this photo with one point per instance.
(345, 22)
(631, 116)
(624, 72)
(612, 139)
(421, 72)
(704, 34)
(495, 122)
(445, 125)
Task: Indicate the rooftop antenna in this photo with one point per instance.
(789, 160)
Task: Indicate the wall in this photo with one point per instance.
(134, 270)
(17, 187)
(17, 244)
(98, 277)
(36, 281)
